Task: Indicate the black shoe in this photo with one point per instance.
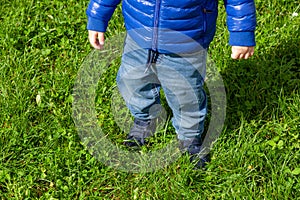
(140, 130)
(195, 151)
(198, 157)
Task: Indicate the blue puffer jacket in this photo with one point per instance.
(149, 22)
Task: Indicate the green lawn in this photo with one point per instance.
(42, 46)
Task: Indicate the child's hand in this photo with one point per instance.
(240, 52)
(96, 39)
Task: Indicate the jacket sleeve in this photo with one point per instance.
(99, 13)
(241, 22)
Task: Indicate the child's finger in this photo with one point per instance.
(95, 43)
(101, 39)
(247, 55)
(234, 55)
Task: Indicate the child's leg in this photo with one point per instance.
(182, 79)
(139, 89)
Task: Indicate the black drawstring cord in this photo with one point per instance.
(152, 58)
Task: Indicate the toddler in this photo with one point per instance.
(165, 48)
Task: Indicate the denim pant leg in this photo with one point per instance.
(139, 88)
(182, 79)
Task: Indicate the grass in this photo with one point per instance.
(42, 46)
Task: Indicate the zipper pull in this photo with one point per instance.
(207, 11)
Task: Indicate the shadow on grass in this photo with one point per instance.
(254, 86)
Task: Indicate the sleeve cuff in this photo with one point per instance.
(242, 39)
(96, 25)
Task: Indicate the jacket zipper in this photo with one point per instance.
(155, 28)
(205, 11)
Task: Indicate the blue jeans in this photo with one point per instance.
(181, 77)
